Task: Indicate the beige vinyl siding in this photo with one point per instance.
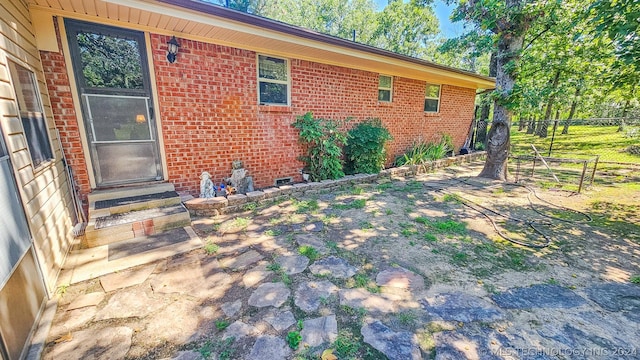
(44, 190)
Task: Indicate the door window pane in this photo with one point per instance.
(110, 61)
(116, 118)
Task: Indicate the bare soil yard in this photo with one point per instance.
(402, 269)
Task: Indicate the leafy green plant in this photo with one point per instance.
(635, 279)
(222, 324)
(306, 206)
(273, 232)
(364, 150)
(322, 141)
(210, 248)
(423, 152)
(293, 339)
(309, 251)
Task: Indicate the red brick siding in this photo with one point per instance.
(210, 116)
(64, 114)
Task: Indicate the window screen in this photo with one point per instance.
(30, 106)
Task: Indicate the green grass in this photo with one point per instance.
(240, 222)
(357, 190)
(443, 226)
(355, 204)
(221, 348)
(309, 251)
(221, 324)
(346, 345)
(306, 206)
(273, 232)
(429, 237)
(407, 318)
(605, 141)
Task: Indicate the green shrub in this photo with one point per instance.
(364, 150)
(423, 152)
(322, 142)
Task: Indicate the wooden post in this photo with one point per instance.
(584, 170)
(595, 166)
(545, 163)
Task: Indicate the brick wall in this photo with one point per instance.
(64, 113)
(210, 116)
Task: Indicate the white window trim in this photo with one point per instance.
(34, 77)
(287, 82)
(433, 98)
(390, 88)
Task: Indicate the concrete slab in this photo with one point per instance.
(124, 279)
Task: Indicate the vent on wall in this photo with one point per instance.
(284, 181)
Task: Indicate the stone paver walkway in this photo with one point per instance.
(244, 301)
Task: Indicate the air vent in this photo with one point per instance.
(284, 181)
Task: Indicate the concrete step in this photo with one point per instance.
(122, 205)
(130, 191)
(124, 226)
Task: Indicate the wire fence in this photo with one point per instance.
(613, 140)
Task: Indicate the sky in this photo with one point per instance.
(443, 11)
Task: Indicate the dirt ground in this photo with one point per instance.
(467, 238)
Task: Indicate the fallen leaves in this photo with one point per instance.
(328, 355)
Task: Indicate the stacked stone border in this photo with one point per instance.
(238, 202)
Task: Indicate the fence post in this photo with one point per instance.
(553, 136)
(595, 166)
(584, 170)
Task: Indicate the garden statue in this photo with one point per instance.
(207, 189)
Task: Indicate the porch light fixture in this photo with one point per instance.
(173, 49)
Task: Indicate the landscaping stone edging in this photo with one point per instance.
(238, 202)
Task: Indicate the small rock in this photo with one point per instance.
(395, 345)
(294, 264)
(231, 308)
(269, 347)
(462, 307)
(281, 321)
(315, 227)
(316, 332)
(333, 266)
(241, 261)
(239, 330)
(538, 296)
(255, 275)
(91, 299)
(359, 298)
(400, 278)
(310, 293)
(127, 278)
(269, 294)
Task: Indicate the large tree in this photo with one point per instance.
(509, 21)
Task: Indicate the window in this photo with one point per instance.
(273, 80)
(385, 88)
(432, 98)
(30, 106)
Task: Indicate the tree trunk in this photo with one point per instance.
(574, 104)
(531, 126)
(523, 123)
(481, 133)
(498, 141)
(543, 130)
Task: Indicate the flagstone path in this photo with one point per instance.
(243, 301)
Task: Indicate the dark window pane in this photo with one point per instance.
(430, 105)
(109, 61)
(272, 68)
(384, 95)
(271, 93)
(35, 130)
